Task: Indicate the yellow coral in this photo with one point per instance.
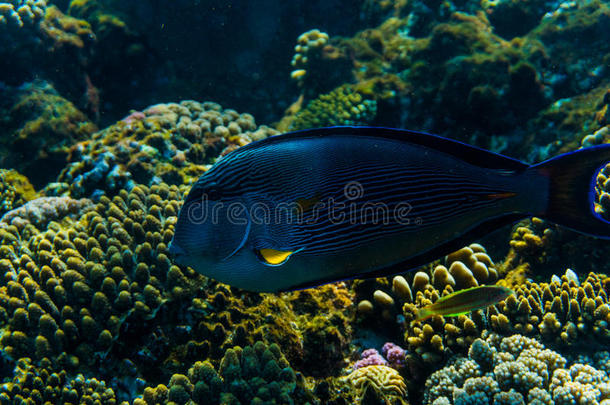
(383, 378)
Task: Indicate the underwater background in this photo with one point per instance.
(110, 110)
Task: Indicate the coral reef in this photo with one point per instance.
(513, 370)
(40, 127)
(15, 190)
(92, 309)
(73, 287)
(253, 375)
(166, 143)
(561, 312)
(382, 378)
(44, 384)
(41, 211)
(342, 106)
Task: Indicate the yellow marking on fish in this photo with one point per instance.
(306, 204)
(274, 257)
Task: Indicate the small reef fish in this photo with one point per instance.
(316, 206)
(464, 301)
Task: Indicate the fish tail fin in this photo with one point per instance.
(422, 314)
(572, 181)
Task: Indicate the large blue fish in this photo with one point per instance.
(316, 206)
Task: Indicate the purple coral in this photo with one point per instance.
(370, 357)
(395, 355)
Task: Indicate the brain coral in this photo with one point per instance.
(167, 143)
(513, 370)
(383, 378)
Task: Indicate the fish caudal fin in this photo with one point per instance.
(571, 196)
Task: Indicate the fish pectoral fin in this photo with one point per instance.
(273, 257)
(458, 314)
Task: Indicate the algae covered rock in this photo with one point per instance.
(40, 126)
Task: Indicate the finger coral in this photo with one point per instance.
(560, 312)
(253, 375)
(72, 287)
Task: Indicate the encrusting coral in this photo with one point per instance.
(513, 370)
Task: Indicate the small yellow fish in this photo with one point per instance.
(464, 301)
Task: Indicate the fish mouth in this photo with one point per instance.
(242, 243)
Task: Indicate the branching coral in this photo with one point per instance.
(515, 369)
(167, 143)
(71, 290)
(15, 190)
(560, 312)
(342, 106)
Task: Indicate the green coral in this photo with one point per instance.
(49, 384)
(257, 374)
(77, 291)
(342, 106)
(15, 190)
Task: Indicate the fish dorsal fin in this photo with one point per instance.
(273, 257)
(468, 153)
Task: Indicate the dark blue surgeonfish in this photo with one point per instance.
(316, 206)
